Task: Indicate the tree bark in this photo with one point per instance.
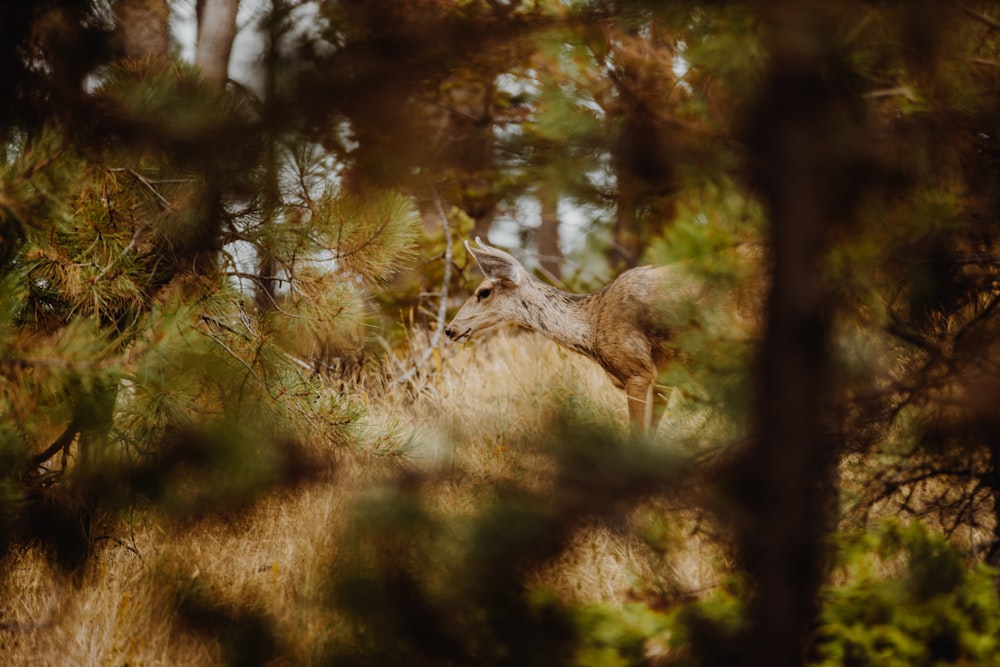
(550, 255)
(804, 141)
(143, 28)
(216, 32)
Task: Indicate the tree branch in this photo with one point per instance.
(61, 443)
(973, 14)
(442, 313)
(163, 201)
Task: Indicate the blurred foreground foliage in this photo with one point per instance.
(187, 271)
(908, 598)
(164, 293)
(418, 585)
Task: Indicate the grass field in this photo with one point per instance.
(473, 418)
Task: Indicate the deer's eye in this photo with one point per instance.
(483, 293)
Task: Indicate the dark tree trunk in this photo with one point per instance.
(803, 140)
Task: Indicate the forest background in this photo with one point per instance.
(232, 432)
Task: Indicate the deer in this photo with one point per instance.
(625, 327)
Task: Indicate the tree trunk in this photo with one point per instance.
(265, 290)
(801, 158)
(216, 32)
(550, 255)
(623, 253)
(143, 28)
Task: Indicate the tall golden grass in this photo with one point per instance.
(478, 412)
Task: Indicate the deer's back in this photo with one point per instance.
(635, 318)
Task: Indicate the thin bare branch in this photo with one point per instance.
(163, 201)
(442, 313)
(978, 16)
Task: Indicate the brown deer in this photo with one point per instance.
(625, 327)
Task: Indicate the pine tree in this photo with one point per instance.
(135, 368)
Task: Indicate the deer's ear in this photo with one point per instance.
(496, 264)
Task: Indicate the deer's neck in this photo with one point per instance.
(561, 317)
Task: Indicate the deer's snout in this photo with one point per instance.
(454, 334)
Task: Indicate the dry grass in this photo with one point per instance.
(478, 412)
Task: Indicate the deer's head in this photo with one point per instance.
(494, 301)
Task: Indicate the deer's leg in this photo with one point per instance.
(661, 397)
(640, 404)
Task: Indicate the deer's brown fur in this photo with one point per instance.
(625, 327)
